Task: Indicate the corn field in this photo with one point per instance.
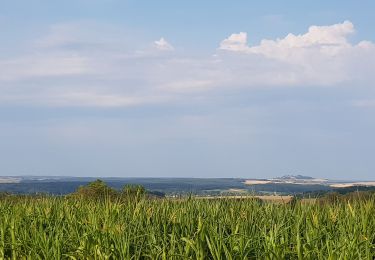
(66, 228)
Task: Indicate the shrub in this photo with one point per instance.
(96, 190)
(133, 191)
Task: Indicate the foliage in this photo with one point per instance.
(99, 190)
(95, 190)
(83, 228)
(334, 197)
(133, 190)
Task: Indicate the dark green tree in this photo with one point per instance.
(133, 190)
(96, 190)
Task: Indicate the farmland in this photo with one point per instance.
(286, 185)
(43, 227)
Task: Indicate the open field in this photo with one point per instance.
(179, 186)
(255, 182)
(9, 180)
(72, 228)
(352, 184)
(265, 198)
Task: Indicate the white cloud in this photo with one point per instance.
(163, 45)
(235, 42)
(69, 68)
(321, 56)
(328, 39)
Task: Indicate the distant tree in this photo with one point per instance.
(133, 190)
(96, 190)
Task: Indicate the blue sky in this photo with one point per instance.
(187, 88)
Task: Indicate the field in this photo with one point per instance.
(353, 184)
(264, 198)
(72, 228)
(183, 186)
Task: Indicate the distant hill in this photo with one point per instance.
(287, 184)
(295, 177)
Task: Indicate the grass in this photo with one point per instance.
(72, 228)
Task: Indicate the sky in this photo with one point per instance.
(135, 88)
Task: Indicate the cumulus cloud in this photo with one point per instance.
(328, 39)
(163, 45)
(321, 56)
(235, 42)
(68, 68)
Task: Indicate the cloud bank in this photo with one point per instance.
(321, 56)
(70, 67)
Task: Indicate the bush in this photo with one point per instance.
(96, 190)
(133, 191)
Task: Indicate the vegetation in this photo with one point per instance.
(170, 186)
(121, 227)
(133, 190)
(342, 193)
(173, 186)
(95, 190)
(99, 190)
